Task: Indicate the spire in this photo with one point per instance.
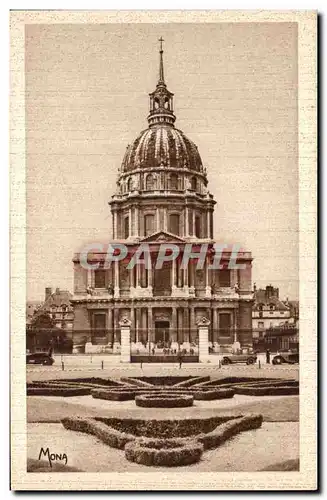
(161, 80)
(161, 100)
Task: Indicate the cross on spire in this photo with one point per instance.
(161, 69)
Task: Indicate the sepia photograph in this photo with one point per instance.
(163, 311)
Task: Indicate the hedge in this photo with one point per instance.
(57, 391)
(164, 401)
(108, 435)
(211, 395)
(161, 452)
(267, 391)
(113, 395)
(193, 381)
(165, 380)
(135, 382)
(168, 428)
(223, 432)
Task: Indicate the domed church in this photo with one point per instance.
(162, 196)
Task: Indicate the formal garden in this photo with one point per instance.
(165, 421)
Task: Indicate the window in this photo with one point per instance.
(174, 182)
(99, 278)
(149, 183)
(224, 277)
(193, 183)
(260, 314)
(261, 324)
(126, 227)
(271, 307)
(198, 226)
(174, 224)
(224, 323)
(260, 307)
(130, 184)
(148, 224)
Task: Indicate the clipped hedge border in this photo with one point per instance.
(167, 428)
(57, 391)
(225, 431)
(164, 401)
(113, 395)
(108, 435)
(267, 391)
(136, 382)
(164, 452)
(130, 394)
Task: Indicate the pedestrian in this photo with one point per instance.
(268, 356)
(180, 359)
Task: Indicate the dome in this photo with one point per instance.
(162, 146)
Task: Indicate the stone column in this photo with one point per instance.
(186, 222)
(185, 277)
(207, 283)
(125, 334)
(215, 325)
(150, 325)
(116, 286)
(136, 221)
(173, 274)
(192, 324)
(138, 276)
(165, 219)
(208, 224)
(186, 325)
(174, 325)
(158, 219)
(130, 223)
(132, 324)
(110, 329)
(137, 327)
(114, 226)
(203, 327)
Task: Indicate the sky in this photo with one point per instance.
(235, 96)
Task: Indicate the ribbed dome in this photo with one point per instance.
(162, 145)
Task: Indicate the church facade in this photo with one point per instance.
(162, 196)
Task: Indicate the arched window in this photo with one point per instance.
(156, 103)
(148, 224)
(174, 182)
(174, 226)
(150, 184)
(193, 183)
(130, 184)
(198, 226)
(126, 227)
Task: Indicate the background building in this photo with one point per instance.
(51, 322)
(162, 196)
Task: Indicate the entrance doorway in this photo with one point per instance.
(161, 335)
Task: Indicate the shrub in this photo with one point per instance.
(161, 452)
(108, 435)
(211, 395)
(168, 428)
(267, 391)
(113, 395)
(164, 380)
(57, 391)
(223, 432)
(164, 401)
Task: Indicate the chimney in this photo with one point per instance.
(57, 290)
(254, 287)
(48, 292)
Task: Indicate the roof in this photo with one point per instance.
(57, 299)
(162, 146)
(260, 297)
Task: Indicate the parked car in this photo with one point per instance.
(289, 357)
(249, 359)
(39, 358)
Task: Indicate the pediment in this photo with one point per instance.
(163, 237)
